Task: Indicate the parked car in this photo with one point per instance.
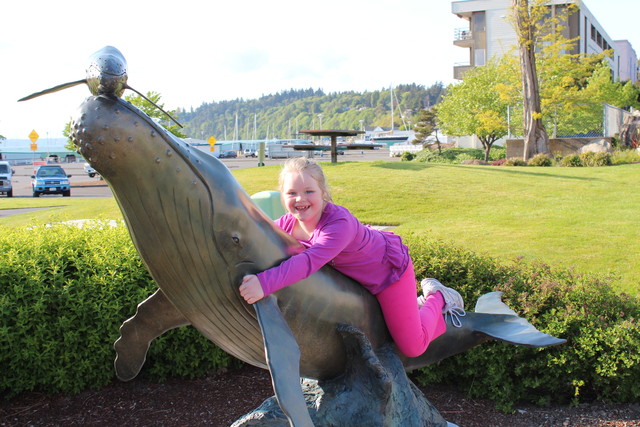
(90, 170)
(230, 154)
(6, 173)
(249, 152)
(50, 179)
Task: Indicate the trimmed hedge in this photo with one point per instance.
(599, 361)
(457, 155)
(64, 292)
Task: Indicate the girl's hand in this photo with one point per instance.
(250, 289)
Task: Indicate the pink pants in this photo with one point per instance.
(412, 329)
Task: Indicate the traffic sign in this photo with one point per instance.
(33, 136)
(34, 147)
(212, 140)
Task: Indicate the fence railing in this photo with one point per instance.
(577, 120)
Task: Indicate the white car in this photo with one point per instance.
(90, 170)
(6, 173)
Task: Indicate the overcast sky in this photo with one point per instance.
(192, 52)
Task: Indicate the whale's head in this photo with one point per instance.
(107, 72)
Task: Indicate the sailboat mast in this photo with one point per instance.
(235, 129)
(255, 126)
(391, 108)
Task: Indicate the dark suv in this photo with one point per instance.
(50, 179)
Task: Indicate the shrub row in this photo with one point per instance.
(498, 154)
(588, 158)
(599, 361)
(64, 292)
(457, 155)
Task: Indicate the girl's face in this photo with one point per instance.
(303, 198)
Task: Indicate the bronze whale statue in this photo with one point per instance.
(199, 233)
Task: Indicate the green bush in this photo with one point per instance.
(625, 156)
(64, 292)
(541, 159)
(572, 161)
(599, 361)
(407, 156)
(590, 158)
(515, 161)
(457, 155)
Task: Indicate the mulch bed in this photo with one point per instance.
(220, 399)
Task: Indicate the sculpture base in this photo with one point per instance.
(373, 391)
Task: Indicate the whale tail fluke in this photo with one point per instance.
(504, 324)
(492, 319)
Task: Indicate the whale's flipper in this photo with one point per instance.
(283, 358)
(53, 89)
(504, 324)
(154, 316)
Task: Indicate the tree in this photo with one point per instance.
(601, 88)
(536, 139)
(156, 111)
(475, 106)
(66, 132)
(426, 125)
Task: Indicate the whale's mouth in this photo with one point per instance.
(249, 267)
(245, 268)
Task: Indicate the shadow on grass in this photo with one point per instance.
(401, 165)
(495, 169)
(538, 172)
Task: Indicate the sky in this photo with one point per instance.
(193, 52)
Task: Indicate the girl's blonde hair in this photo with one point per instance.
(303, 164)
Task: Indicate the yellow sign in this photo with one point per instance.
(33, 136)
(34, 147)
(212, 141)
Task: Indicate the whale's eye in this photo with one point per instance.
(236, 239)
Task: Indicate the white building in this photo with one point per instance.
(489, 33)
(627, 61)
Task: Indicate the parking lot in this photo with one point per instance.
(83, 186)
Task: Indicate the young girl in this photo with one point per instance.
(378, 260)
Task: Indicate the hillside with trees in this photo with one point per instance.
(280, 115)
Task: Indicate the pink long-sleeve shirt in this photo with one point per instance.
(374, 258)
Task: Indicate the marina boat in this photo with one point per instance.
(390, 139)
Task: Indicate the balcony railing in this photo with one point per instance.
(462, 34)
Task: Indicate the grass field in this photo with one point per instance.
(582, 218)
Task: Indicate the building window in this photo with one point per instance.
(479, 57)
(478, 22)
(593, 33)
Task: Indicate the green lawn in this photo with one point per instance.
(582, 218)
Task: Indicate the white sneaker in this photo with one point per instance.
(453, 304)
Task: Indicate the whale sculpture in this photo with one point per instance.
(199, 233)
